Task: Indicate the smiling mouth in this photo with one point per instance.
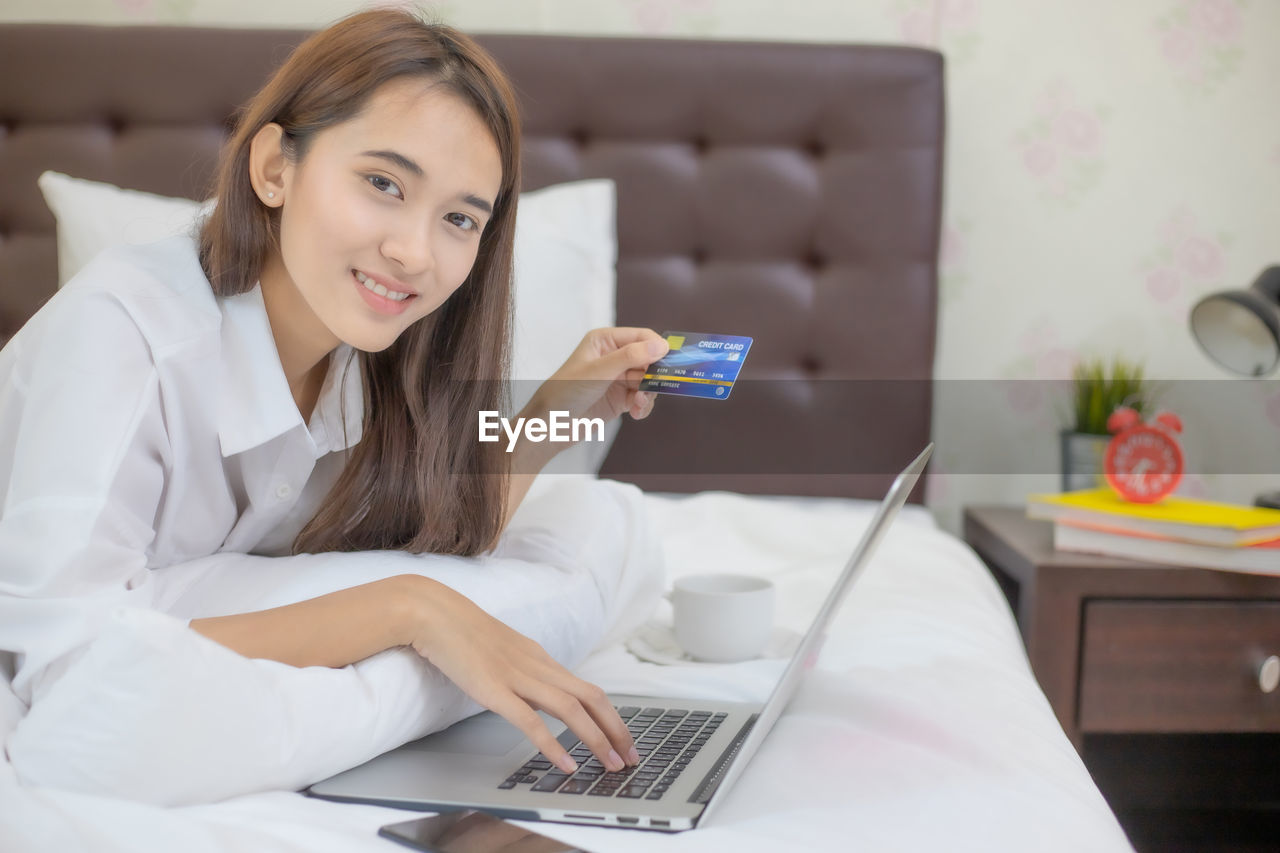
(374, 287)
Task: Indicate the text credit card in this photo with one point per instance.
(698, 365)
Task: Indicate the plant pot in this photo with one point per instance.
(1082, 455)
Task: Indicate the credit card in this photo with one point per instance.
(698, 365)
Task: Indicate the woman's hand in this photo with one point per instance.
(513, 676)
(601, 378)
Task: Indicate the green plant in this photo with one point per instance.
(1098, 389)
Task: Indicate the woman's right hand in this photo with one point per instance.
(511, 675)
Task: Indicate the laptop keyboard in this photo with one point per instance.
(667, 741)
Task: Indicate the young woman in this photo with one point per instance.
(306, 376)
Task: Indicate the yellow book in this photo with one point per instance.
(1173, 517)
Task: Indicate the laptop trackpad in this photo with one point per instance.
(483, 734)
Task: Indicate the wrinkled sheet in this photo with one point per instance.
(920, 728)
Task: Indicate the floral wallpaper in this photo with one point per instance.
(1201, 42)
(1107, 165)
(1063, 146)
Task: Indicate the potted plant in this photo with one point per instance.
(1097, 390)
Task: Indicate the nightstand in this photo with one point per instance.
(1121, 646)
(1158, 674)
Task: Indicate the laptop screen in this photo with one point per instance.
(806, 654)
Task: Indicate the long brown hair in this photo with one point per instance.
(417, 480)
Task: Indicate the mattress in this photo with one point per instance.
(920, 728)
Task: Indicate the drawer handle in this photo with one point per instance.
(1269, 674)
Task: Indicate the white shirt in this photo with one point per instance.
(145, 422)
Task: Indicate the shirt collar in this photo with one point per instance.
(256, 404)
(338, 420)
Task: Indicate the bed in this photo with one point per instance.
(787, 191)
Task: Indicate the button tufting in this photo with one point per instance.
(816, 149)
(701, 145)
(815, 260)
(115, 124)
(699, 256)
(810, 364)
(580, 138)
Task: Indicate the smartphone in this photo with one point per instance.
(471, 832)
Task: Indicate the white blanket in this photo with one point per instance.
(921, 728)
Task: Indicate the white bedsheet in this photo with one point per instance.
(921, 728)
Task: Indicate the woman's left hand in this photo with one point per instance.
(601, 378)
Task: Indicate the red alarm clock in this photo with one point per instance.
(1143, 462)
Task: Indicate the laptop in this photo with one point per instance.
(691, 751)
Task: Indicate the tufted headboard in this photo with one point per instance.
(790, 192)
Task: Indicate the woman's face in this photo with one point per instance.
(381, 220)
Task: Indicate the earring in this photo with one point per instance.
(271, 195)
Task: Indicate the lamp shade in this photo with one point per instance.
(1240, 329)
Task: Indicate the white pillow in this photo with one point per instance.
(92, 216)
(565, 282)
(155, 712)
(565, 254)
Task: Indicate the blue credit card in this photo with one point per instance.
(698, 365)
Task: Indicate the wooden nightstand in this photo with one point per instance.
(1121, 646)
(1154, 674)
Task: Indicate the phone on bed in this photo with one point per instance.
(471, 832)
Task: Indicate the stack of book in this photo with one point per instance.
(1174, 531)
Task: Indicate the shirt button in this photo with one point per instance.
(283, 491)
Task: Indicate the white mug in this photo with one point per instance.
(722, 618)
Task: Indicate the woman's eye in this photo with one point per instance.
(381, 183)
(466, 223)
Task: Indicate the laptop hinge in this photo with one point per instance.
(712, 781)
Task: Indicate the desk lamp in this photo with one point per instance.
(1240, 330)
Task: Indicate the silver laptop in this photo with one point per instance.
(692, 751)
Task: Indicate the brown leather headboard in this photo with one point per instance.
(790, 192)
